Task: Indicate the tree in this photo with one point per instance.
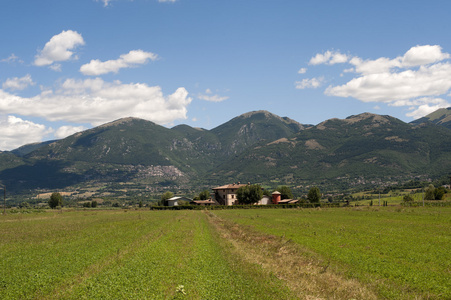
(430, 193)
(439, 192)
(314, 195)
(285, 192)
(204, 195)
(55, 200)
(407, 198)
(249, 194)
(94, 203)
(164, 197)
(24, 205)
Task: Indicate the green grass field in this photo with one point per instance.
(400, 252)
(124, 255)
(396, 253)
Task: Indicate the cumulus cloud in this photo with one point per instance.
(329, 57)
(17, 83)
(418, 79)
(59, 48)
(302, 71)
(131, 59)
(422, 55)
(311, 83)
(96, 102)
(65, 131)
(17, 132)
(209, 96)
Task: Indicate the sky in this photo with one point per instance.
(67, 66)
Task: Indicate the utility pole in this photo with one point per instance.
(423, 196)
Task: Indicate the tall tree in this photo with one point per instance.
(314, 195)
(249, 194)
(430, 193)
(285, 192)
(55, 200)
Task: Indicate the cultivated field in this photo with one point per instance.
(350, 253)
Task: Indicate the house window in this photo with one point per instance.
(233, 196)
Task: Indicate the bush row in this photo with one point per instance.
(216, 207)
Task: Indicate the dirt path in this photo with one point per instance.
(307, 277)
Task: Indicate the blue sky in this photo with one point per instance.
(67, 66)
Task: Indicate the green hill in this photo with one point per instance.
(360, 151)
(441, 117)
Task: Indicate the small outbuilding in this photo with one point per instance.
(175, 201)
(203, 202)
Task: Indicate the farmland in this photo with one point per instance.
(360, 253)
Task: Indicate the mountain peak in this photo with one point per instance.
(365, 116)
(122, 121)
(257, 112)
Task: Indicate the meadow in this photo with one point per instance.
(341, 253)
(400, 253)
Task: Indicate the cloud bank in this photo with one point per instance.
(419, 79)
(17, 132)
(96, 102)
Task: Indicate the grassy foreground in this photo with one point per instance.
(355, 253)
(401, 253)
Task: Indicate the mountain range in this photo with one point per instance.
(131, 154)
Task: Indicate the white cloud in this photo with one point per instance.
(302, 71)
(311, 83)
(17, 132)
(59, 48)
(379, 65)
(55, 67)
(422, 55)
(388, 87)
(65, 131)
(425, 109)
(131, 59)
(416, 79)
(18, 83)
(172, 1)
(96, 102)
(105, 2)
(329, 58)
(212, 98)
(11, 59)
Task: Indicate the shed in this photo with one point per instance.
(174, 201)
